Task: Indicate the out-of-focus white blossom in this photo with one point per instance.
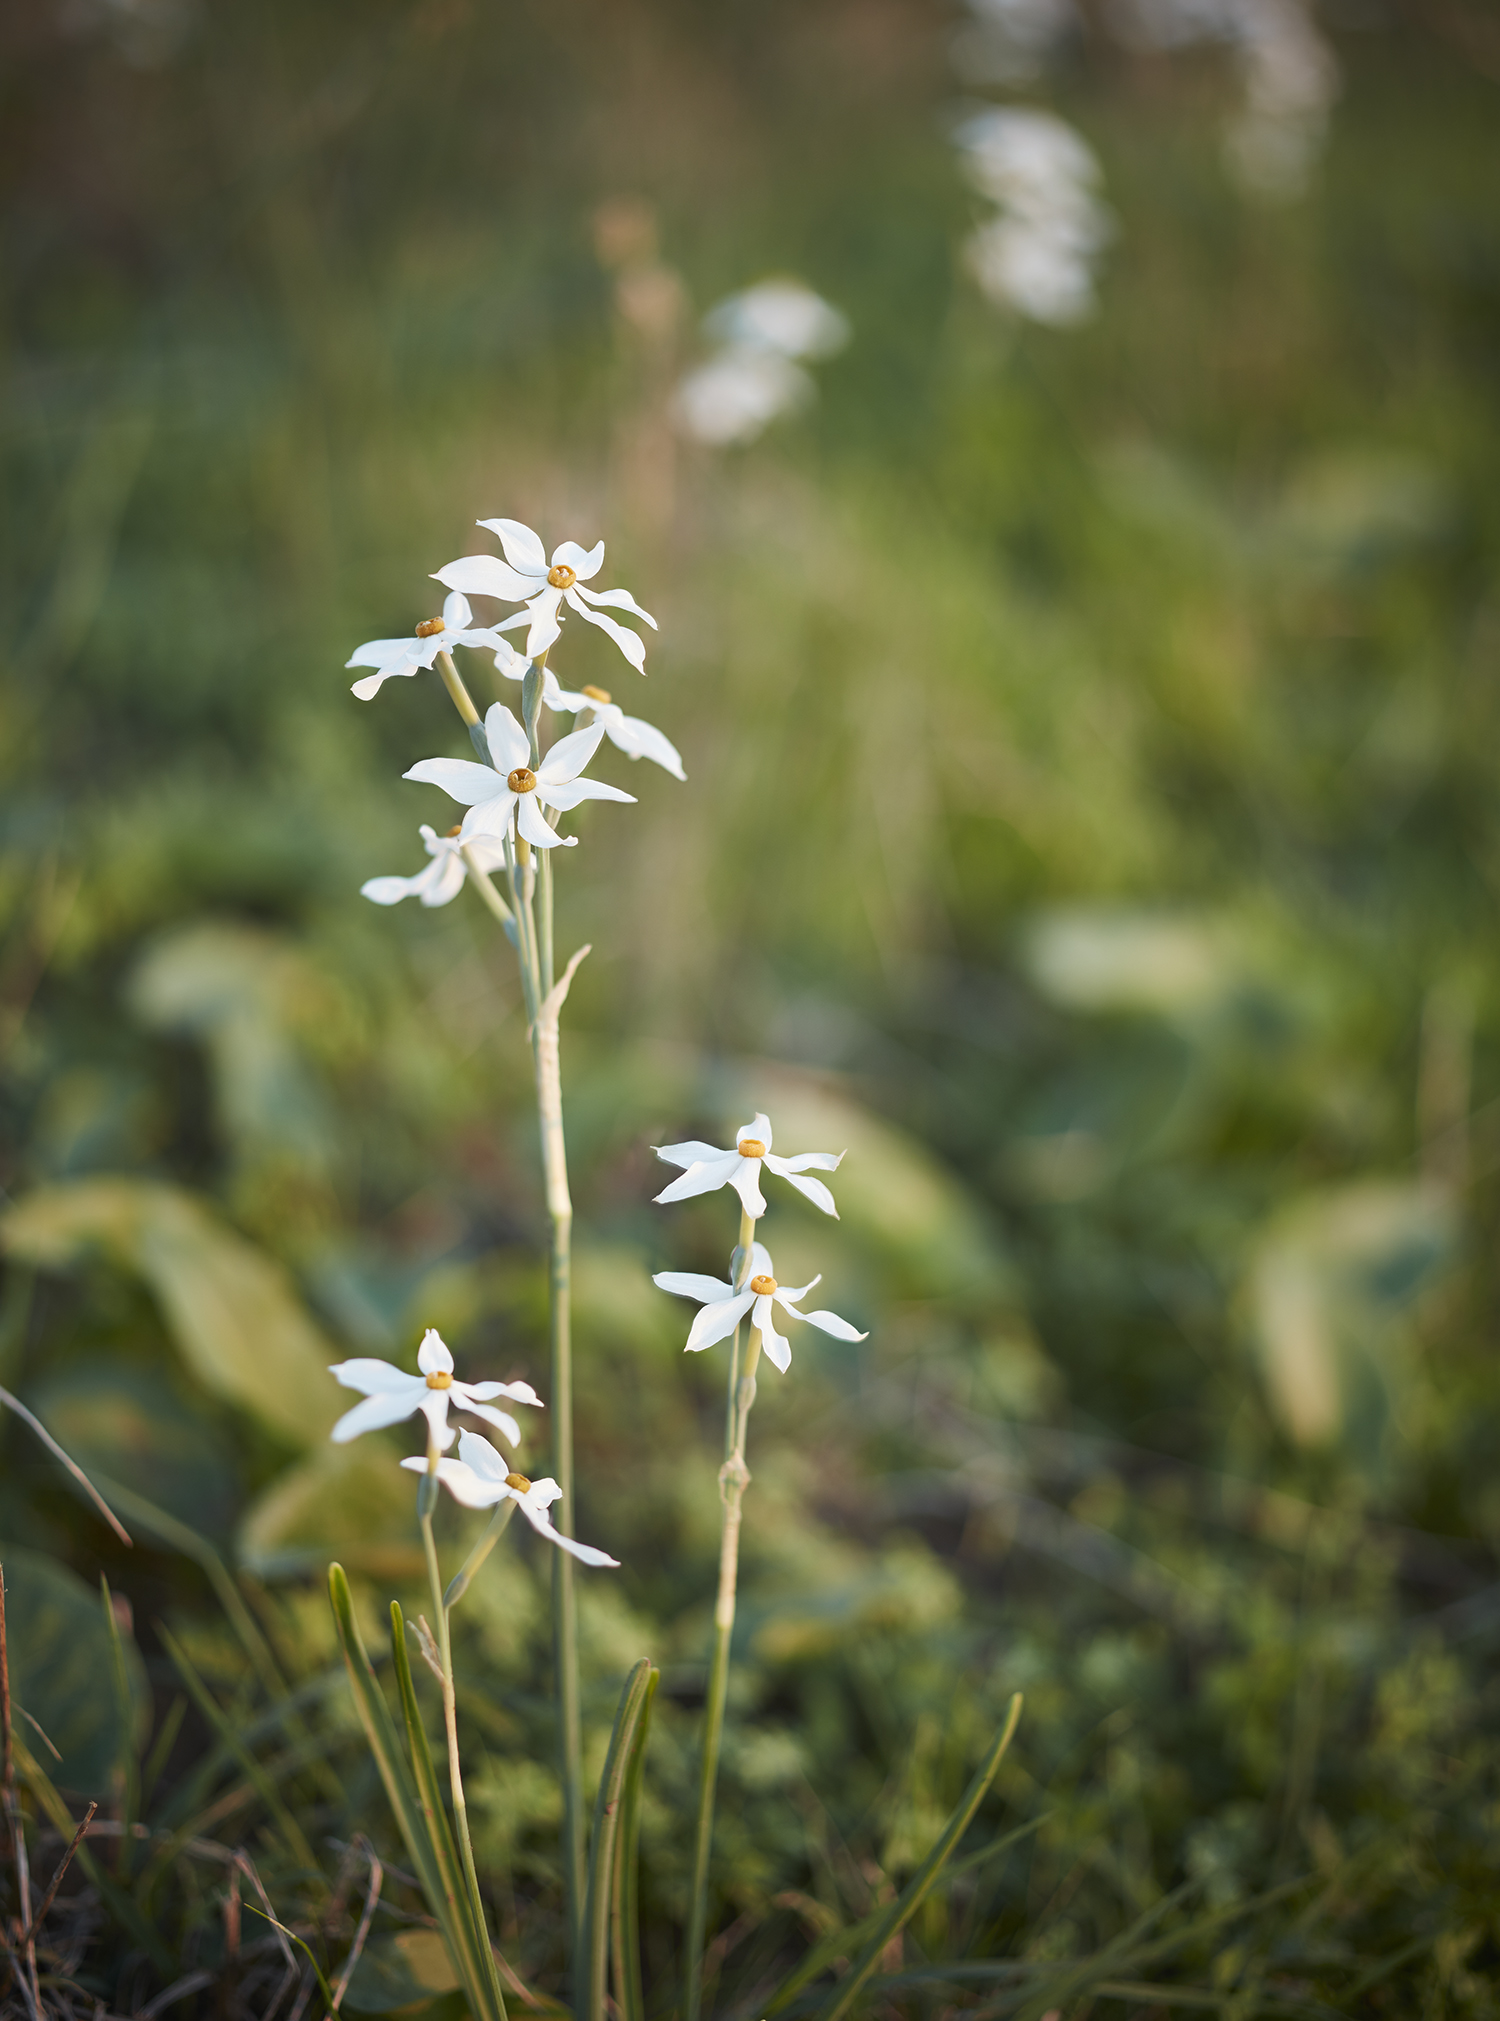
(630, 734)
(526, 576)
(404, 657)
(1037, 254)
(443, 879)
(707, 1168)
(391, 1394)
(754, 375)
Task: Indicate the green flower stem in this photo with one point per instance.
(734, 1478)
(458, 1585)
(453, 682)
(545, 880)
(426, 1499)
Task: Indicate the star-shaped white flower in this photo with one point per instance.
(724, 1307)
(629, 734)
(443, 879)
(514, 794)
(394, 657)
(525, 576)
(479, 1478)
(708, 1168)
(391, 1394)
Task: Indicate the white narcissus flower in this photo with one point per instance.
(627, 733)
(525, 576)
(479, 1478)
(724, 1307)
(443, 879)
(708, 1168)
(513, 793)
(391, 1395)
(394, 657)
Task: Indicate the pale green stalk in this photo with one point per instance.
(734, 1478)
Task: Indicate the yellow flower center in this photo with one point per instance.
(763, 1286)
(752, 1147)
(429, 628)
(522, 780)
(440, 1381)
(561, 576)
(517, 1481)
(597, 694)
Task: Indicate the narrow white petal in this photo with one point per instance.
(485, 575)
(759, 1127)
(457, 616)
(476, 1451)
(509, 744)
(704, 1177)
(462, 1482)
(815, 1191)
(746, 1182)
(489, 818)
(808, 1161)
(584, 562)
(618, 599)
(445, 880)
(694, 1152)
(790, 1293)
(777, 1347)
(627, 641)
(569, 755)
(541, 1522)
(370, 1376)
(387, 1408)
(574, 791)
(518, 1392)
(459, 778)
(533, 825)
(523, 548)
(760, 1261)
(688, 1284)
(433, 1357)
(643, 740)
(717, 1321)
(829, 1322)
(391, 890)
(500, 1419)
(434, 1407)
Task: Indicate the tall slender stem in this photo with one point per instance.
(734, 1478)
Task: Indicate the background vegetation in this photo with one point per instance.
(1091, 819)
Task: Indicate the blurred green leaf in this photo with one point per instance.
(61, 1658)
(350, 1502)
(405, 1971)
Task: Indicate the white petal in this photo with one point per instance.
(643, 740)
(759, 1128)
(746, 1182)
(815, 1191)
(462, 1482)
(694, 1152)
(829, 1322)
(371, 1377)
(501, 1420)
(476, 1451)
(808, 1161)
(433, 1357)
(617, 599)
(702, 1177)
(542, 1524)
(489, 819)
(459, 778)
(688, 1284)
(533, 825)
(486, 575)
(509, 744)
(391, 890)
(569, 755)
(717, 1321)
(627, 641)
(573, 791)
(583, 562)
(518, 1392)
(434, 1407)
(388, 1408)
(443, 888)
(542, 1493)
(457, 616)
(523, 548)
(546, 627)
(508, 661)
(760, 1261)
(384, 652)
(790, 1293)
(777, 1348)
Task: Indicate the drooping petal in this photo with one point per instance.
(457, 616)
(703, 1176)
(829, 1322)
(518, 1392)
(746, 1182)
(790, 1293)
(533, 825)
(584, 562)
(387, 1408)
(717, 1321)
(569, 755)
(546, 626)
(573, 791)
(694, 1152)
(434, 1407)
(500, 1419)
(429, 880)
(509, 744)
(627, 641)
(759, 1127)
(396, 659)
(370, 1376)
(808, 1161)
(460, 778)
(476, 1451)
(688, 1284)
(814, 1189)
(433, 1357)
(462, 1482)
(541, 1522)
(643, 740)
(618, 599)
(523, 548)
(778, 1348)
(448, 882)
(486, 575)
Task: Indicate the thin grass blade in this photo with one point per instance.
(625, 1910)
(598, 1894)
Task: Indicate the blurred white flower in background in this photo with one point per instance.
(1037, 255)
(443, 879)
(754, 375)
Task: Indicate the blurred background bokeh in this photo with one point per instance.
(1079, 624)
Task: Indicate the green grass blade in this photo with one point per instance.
(208, 1705)
(906, 1904)
(594, 1950)
(127, 1763)
(625, 1912)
